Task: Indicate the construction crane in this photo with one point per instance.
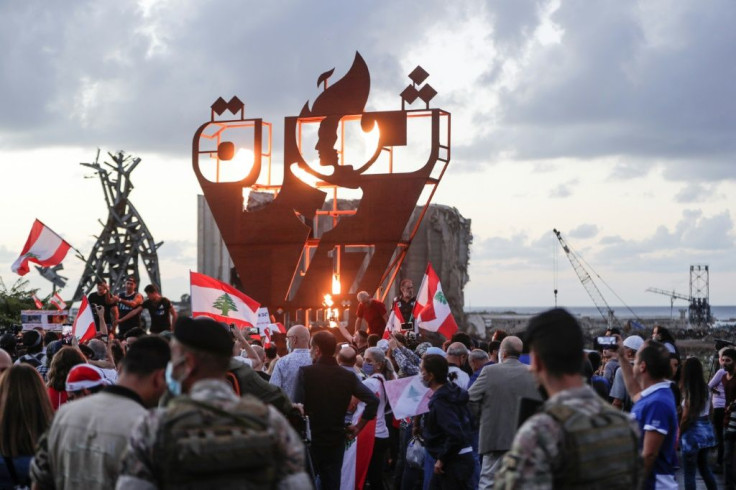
(587, 280)
(672, 294)
(698, 312)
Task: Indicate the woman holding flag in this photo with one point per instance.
(378, 369)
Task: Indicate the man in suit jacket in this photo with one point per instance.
(494, 401)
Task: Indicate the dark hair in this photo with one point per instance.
(33, 341)
(729, 352)
(25, 410)
(556, 337)
(373, 340)
(271, 351)
(657, 359)
(363, 334)
(150, 289)
(50, 337)
(437, 366)
(8, 343)
(595, 360)
(694, 389)
(63, 362)
(100, 282)
(116, 352)
(146, 355)
(494, 345)
(499, 335)
(463, 338)
(666, 335)
(326, 343)
(135, 332)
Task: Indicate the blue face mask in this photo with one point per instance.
(368, 369)
(172, 384)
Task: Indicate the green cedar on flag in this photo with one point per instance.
(221, 301)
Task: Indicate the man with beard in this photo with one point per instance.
(102, 297)
(128, 303)
(406, 301)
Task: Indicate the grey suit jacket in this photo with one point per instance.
(494, 401)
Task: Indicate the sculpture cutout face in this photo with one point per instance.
(294, 249)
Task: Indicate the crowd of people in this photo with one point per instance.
(194, 403)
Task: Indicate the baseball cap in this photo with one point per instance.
(435, 350)
(633, 342)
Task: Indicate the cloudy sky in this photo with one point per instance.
(611, 121)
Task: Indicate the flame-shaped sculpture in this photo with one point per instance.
(283, 253)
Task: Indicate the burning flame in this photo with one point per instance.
(335, 284)
(328, 301)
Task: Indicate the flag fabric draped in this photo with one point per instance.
(432, 311)
(395, 319)
(357, 456)
(221, 301)
(39, 304)
(84, 324)
(44, 247)
(58, 302)
(408, 396)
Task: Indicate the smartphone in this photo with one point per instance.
(607, 341)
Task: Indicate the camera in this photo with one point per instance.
(603, 341)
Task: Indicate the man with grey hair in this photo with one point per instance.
(478, 359)
(494, 401)
(371, 312)
(287, 368)
(457, 354)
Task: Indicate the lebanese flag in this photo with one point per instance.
(44, 247)
(221, 301)
(393, 324)
(84, 324)
(37, 301)
(432, 311)
(357, 456)
(408, 396)
(58, 302)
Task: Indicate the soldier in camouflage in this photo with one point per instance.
(576, 440)
(208, 437)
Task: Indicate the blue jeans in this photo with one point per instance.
(697, 460)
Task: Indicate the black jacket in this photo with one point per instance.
(325, 390)
(448, 426)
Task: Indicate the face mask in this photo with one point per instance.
(174, 385)
(368, 369)
(288, 345)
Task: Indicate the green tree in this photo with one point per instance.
(13, 300)
(225, 304)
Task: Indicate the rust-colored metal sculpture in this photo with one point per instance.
(280, 250)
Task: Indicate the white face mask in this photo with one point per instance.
(500, 356)
(289, 346)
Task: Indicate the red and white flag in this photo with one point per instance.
(84, 324)
(393, 324)
(58, 302)
(357, 456)
(432, 311)
(37, 301)
(221, 301)
(44, 247)
(408, 396)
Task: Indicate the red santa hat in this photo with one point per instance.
(84, 376)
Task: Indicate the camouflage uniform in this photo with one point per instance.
(139, 464)
(536, 456)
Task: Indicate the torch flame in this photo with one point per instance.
(328, 300)
(335, 284)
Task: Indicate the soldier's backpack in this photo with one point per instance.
(601, 451)
(201, 446)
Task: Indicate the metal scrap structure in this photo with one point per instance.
(125, 238)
